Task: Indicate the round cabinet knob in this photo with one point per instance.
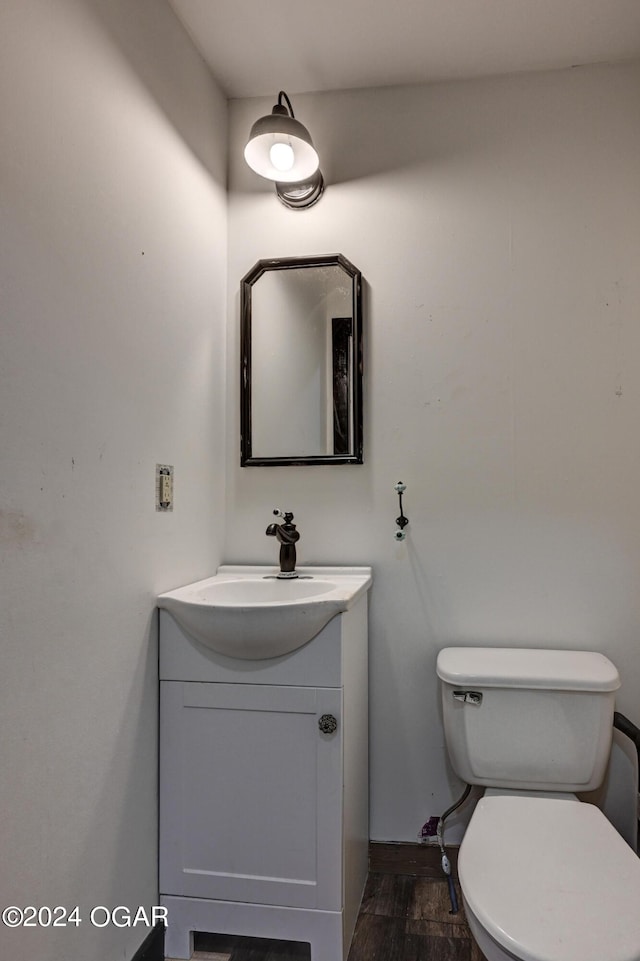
(328, 724)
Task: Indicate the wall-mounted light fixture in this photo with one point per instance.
(280, 148)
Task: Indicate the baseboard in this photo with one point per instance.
(152, 948)
(419, 860)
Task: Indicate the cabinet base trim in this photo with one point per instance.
(323, 930)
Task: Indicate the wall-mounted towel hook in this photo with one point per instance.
(401, 521)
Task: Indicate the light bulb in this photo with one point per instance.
(282, 156)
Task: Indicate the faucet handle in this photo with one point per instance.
(287, 515)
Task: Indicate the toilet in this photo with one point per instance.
(544, 876)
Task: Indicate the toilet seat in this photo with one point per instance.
(549, 879)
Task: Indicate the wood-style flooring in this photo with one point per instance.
(404, 916)
(407, 918)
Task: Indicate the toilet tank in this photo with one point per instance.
(528, 719)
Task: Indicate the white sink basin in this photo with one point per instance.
(247, 612)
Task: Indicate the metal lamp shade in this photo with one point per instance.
(280, 128)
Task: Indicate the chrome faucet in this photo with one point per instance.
(288, 536)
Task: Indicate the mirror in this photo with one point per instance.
(301, 356)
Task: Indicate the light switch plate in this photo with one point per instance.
(164, 487)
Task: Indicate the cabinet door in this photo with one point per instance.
(251, 794)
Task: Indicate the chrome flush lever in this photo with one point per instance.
(469, 697)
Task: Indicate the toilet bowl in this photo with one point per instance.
(547, 878)
(544, 876)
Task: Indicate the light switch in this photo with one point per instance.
(164, 487)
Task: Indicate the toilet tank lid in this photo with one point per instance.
(527, 668)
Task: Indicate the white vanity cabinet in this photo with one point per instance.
(263, 814)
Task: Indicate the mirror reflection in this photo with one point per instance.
(301, 347)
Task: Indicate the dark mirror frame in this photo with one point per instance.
(288, 263)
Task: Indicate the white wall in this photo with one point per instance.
(497, 226)
(112, 313)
